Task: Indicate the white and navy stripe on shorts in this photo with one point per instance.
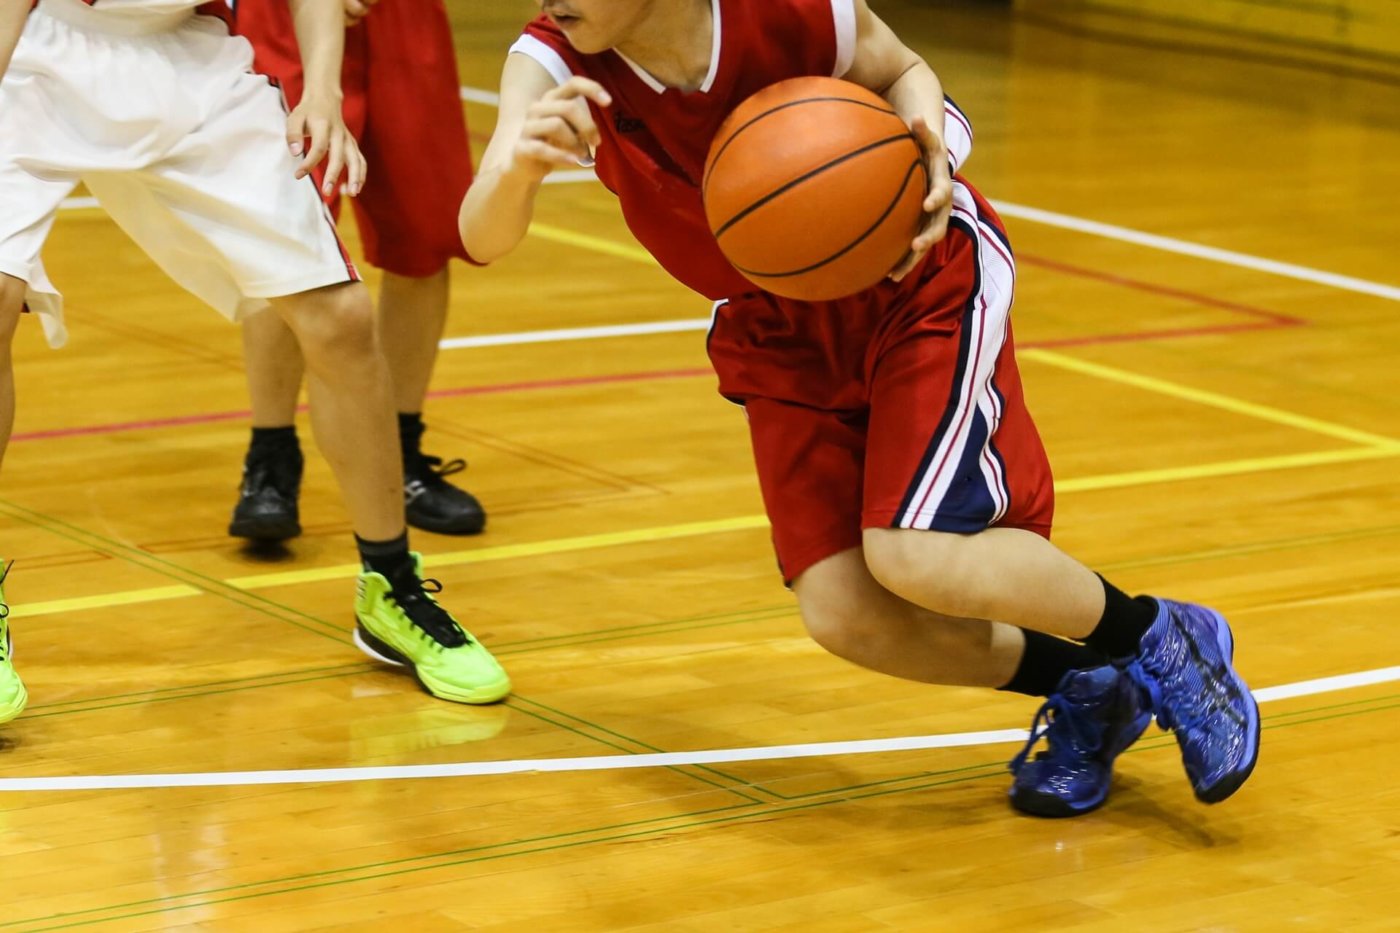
(960, 485)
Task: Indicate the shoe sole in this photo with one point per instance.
(1053, 808)
(374, 647)
(446, 528)
(1227, 785)
(264, 531)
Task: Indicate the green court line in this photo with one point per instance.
(761, 811)
(515, 704)
(193, 691)
(173, 571)
(250, 681)
(726, 783)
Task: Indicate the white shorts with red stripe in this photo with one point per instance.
(159, 114)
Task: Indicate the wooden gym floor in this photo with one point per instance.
(1224, 428)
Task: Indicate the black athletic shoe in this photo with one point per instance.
(434, 504)
(267, 501)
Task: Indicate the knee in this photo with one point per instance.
(334, 326)
(928, 568)
(839, 628)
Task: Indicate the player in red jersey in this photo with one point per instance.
(402, 105)
(156, 108)
(908, 492)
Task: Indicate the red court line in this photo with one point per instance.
(1265, 320)
(1167, 291)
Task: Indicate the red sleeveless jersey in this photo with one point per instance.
(655, 139)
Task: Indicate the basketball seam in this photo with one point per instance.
(918, 163)
(705, 183)
(807, 176)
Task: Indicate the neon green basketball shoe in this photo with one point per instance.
(13, 696)
(413, 631)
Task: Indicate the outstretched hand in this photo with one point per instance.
(938, 205)
(319, 120)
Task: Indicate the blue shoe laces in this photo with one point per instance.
(1065, 730)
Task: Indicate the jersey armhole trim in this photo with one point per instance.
(843, 14)
(549, 59)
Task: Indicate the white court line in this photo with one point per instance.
(617, 762)
(576, 333)
(1186, 248)
(479, 96)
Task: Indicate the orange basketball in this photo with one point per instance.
(814, 188)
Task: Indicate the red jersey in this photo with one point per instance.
(655, 139)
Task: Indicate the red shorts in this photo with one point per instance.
(898, 407)
(403, 104)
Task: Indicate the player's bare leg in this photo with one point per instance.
(1179, 654)
(274, 369)
(850, 614)
(352, 414)
(13, 696)
(267, 508)
(11, 305)
(412, 314)
(1000, 573)
(351, 402)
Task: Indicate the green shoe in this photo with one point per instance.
(416, 632)
(13, 696)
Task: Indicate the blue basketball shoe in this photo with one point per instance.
(1089, 721)
(1184, 664)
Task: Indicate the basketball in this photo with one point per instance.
(814, 188)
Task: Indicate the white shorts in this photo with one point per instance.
(183, 145)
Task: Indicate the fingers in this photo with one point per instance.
(536, 150)
(579, 87)
(356, 10)
(318, 129)
(356, 167)
(335, 146)
(296, 132)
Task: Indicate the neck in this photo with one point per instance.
(673, 43)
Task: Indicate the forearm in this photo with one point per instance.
(496, 213)
(917, 92)
(13, 14)
(320, 29)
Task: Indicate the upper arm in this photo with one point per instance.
(880, 57)
(523, 82)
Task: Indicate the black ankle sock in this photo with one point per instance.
(274, 439)
(1046, 661)
(388, 558)
(1125, 620)
(411, 430)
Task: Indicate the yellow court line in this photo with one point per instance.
(1213, 399)
(512, 551)
(596, 243)
(105, 601)
(343, 572)
(1225, 468)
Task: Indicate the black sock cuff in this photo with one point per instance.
(388, 558)
(1045, 662)
(411, 430)
(275, 437)
(1125, 620)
